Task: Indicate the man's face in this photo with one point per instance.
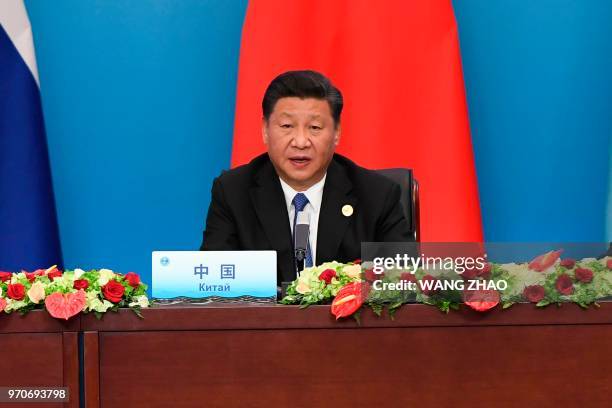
(301, 138)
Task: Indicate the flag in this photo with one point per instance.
(398, 66)
(29, 237)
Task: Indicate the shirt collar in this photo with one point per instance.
(314, 193)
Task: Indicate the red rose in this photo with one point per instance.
(54, 273)
(564, 284)
(357, 261)
(568, 263)
(469, 274)
(408, 276)
(113, 291)
(133, 279)
(81, 284)
(485, 272)
(609, 263)
(327, 275)
(15, 291)
(370, 276)
(584, 275)
(534, 293)
(428, 288)
(5, 276)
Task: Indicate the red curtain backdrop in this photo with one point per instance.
(398, 66)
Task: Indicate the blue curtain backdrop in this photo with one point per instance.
(138, 98)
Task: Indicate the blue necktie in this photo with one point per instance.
(299, 202)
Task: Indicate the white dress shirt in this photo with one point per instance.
(312, 209)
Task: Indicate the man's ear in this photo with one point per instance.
(337, 133)
(264, 130)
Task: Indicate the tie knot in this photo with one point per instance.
(299, 201)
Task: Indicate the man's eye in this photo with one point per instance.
(315, 127)
(285, 126)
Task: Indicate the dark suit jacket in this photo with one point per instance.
(248, 211)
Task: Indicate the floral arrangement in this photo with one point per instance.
(545, 280)
(67, 294)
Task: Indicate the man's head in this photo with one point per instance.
(301, 126)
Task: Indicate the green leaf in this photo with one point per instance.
(543, 303)
(136, 310)
(357, 317)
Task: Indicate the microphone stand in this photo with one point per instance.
(300, 255)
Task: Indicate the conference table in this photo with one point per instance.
(257, 355)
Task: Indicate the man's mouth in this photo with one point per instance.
(300, 161)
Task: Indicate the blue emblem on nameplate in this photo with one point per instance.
(240, 275)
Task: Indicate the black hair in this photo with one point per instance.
(302, 84)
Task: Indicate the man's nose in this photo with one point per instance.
(301, 140)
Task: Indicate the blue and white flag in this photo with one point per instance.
(29, 237)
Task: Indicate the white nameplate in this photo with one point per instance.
(202, 274)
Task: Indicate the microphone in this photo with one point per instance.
(302, 230)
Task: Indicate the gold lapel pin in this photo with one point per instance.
(347, 210)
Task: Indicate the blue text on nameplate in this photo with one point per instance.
(202, 274)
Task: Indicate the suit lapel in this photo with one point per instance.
(332, 223)
(271, 209)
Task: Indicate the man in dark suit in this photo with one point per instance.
(255, 206)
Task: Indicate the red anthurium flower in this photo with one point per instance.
(54, 273)
(5, 276)
(545, 261)
(348, 300)
(481, 300)
(65, 305)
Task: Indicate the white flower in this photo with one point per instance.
(77, 273)
(12, 304)
(523, 277)
(602, 283)
(18, 276)
(141, 301)
(303, 285)
(105, 276)
(100, 306)
(352, 271)
(94, 303)
(63, 282)
(36, 293)
(604, 260)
